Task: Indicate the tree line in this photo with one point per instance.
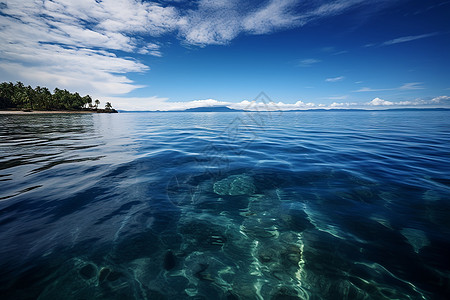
(19, 96)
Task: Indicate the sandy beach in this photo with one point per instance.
(19, 112)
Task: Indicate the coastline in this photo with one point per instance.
(35, 112)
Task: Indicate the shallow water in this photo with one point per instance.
(308, 205)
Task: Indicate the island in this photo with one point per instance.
(213, 109)
(18, 98)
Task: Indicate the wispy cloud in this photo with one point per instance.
(404, 87)
(367, 89)
(333, 51)
(340, 52)
(82, 43)
(335, 79)
(337, 97)
(411, 86)
(308, 62)
(216, 22)
(403, 39)
(409, 38)
(151, 49)
(329, 9)
(219, 21)
(275, 15)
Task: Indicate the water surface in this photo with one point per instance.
(307, 205)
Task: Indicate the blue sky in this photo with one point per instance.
(148, 55)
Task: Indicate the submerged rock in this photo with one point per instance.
(201, 235)
(235, 185)
(114, 275)
(88, 271)
(231, 296)
(202, 273)
(416, 238)
(141, 245)
(103, 274)
(267, 255)
(170, 260)
(285, 294)
(292, 255)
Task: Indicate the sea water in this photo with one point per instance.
(293, 205)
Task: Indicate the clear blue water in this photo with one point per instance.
(308, 205)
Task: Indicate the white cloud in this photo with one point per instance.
(162, 104)
(213, 22)
(411, 86)
(276, 15)
(402, 39)
(151, 49)
(308, 62)
(204, 22)
(404, 87)
(84, 70)
(412, 102)
(217, 30)
(50, 42)
(409, 38)
(329, 9)
(440, 99)
(340, 52)
(377, 102)
(272, 106)
(342, 104)
(70, 43)
(367, 89)
(335, 79)
(219, 21)
(136, 103)
(337, 97)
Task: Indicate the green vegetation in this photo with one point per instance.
(18, 96)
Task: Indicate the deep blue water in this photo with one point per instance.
(308, 205)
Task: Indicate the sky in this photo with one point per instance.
(245, 54)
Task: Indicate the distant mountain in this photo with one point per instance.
(213, 109)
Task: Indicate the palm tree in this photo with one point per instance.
(97, 103)
(87, 100)
(108, 106)
(6, 94)
(47, 95)
(30, 94)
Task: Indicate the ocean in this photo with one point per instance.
(262, 205)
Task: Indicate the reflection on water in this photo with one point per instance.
(329, 205)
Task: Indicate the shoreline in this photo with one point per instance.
(36, 112)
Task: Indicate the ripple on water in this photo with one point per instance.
(176, 206)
